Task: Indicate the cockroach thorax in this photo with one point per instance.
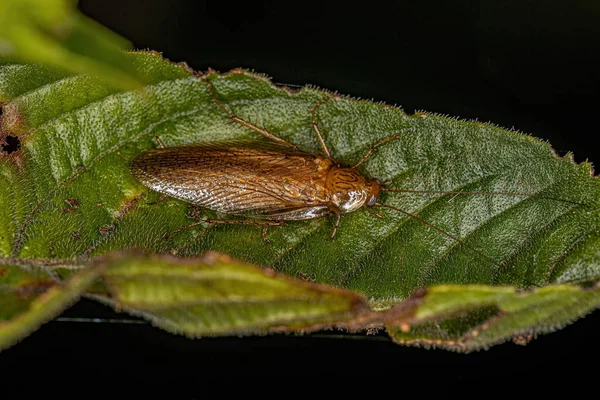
(349, 190)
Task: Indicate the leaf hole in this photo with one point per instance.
(11, 144)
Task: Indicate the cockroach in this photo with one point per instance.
(268, 182)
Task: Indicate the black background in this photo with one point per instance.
(531, 65)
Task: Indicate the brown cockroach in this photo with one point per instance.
(268, 181)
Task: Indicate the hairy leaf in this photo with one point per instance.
(28, 298)
(216, 295)
(197, 297)
(466, 318)
(68, 194)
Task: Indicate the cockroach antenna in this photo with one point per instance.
(458, 240)
(512, 194)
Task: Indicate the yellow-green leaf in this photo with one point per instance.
(54, 33)
(217, 295)
(29, 297)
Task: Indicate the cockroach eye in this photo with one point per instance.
(372, 201)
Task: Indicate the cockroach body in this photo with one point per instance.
(267, 181)
(256, 179)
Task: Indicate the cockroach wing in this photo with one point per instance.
(254, 178)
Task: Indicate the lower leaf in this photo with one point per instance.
(215, 295)
(466, 318)
(30, 298)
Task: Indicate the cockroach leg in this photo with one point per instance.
(335, 227)
(264, 224)
(262, 131)
(170, 235)
(160, 143)
(269, 135)
(317, 130)
(374, 213)
(160, 199)
(264, 230)
(254, 222)
(195, 212)
(376, 145)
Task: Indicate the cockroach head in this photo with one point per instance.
(349, 190)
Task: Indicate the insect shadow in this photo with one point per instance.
(268, 182)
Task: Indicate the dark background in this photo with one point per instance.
(531, 65)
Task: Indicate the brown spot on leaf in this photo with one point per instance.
(12, 119)
(9, 144)
(37, 288)
(3, 272)
(73, 204)
(11, 134)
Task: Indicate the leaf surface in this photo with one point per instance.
(216, 295)
(466, 318)
(68, 194)
(30, 298)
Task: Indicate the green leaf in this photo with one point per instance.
(29, 297)
(68, 194)
(216, 295)
(197, 297)
(466, 318)
(52, 32)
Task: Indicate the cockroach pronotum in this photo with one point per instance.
(268, 181)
